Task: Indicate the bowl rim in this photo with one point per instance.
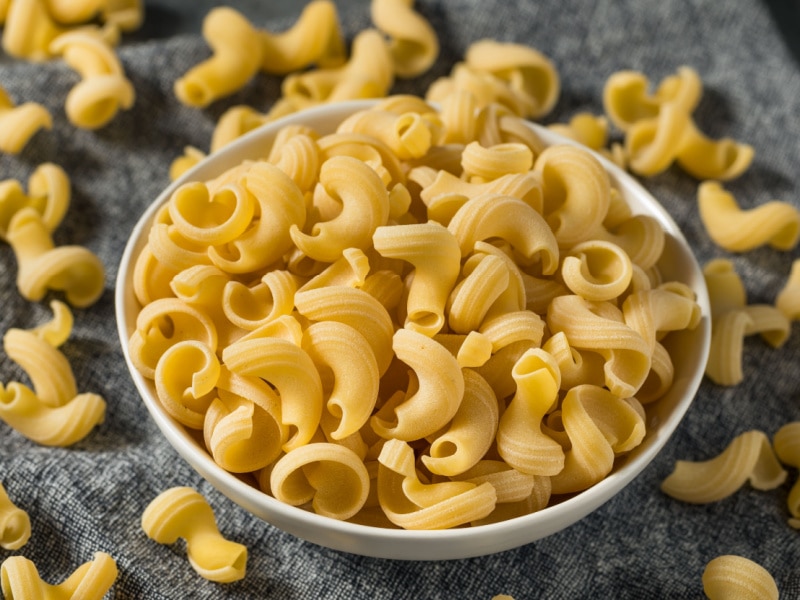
(381, 542)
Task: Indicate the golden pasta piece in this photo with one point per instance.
(208, 218)
(487, 164)
(333, 478)
(412, 41)
(48, 194)
(788, 299)
(729, 576)
(775, 223)
(19, 578)
(191, 156)
(237, 55)
(234, 123)
(597, 270)
(410, 134)
(655, 312)
(28, 30)
(104, 89)
(586, 128)
(15, 524)
(18, 124)
(181, 512)
(786, 443)
(725, 288)
(748, 457)
(724, 365)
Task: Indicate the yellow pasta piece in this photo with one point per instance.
(208, 218)
(18, 124)
(20, 578)
(185, 376)
(728, 576)
(333, 478)
(775, 223)
(191, 156)
(413, 42)
(104, 89)
(586, 128)
(748, 457)
(786, 443)
(724, 365)
(725, 288)
(15, 524)
(487, 164)
(597, 270)
(410, 134)
(788, 299)
(181, 512)
(237, 55)
(28, 30)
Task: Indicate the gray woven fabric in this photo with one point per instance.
(641, 544)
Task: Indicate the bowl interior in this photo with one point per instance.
(689, 350)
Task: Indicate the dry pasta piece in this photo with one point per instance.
(724, 365)
(597, 270)
(181, 512)
(409, 134)
(786, 443)
(412, 504)
(15, 524)
(788, 299)
(28, 30)
(330, 476)
(19, 578)
(413, 43)
(748, 457)
(726, 290)
(775, 223)
(18, 124)
(48, 194)
(104, 89)
(728, 576)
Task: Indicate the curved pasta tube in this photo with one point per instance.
(641, 237)
(474, 295)
(730, 576)
(355, 308)
(29, 29)
(434, 394)
(232, 124)
(769, 322)
(370, 150)
(433, 252)
(19, 578)
(299, 158)
(410, 135)
(280, 206)
(509, 484)
(104, 89)
(600, 426)
(786, 443)
(485, 88)
(724, 365)
(345, 352)
(365, 207)
(597, 270)
(788, 298)
(237, 55)
(525, 70)
(471, 432)
(212, 219)
(411, 504)
(655, 312)
(181, 512)
(489, 163)
(748, 457)
(186, 374)
(250, 307)
(15, 524)
(586, 128)
(597, 327)
(412, 41)
(291, 371)
(626, 99)
(314, 38)
(202, 287)
(41, 266)
(350, 269)
(577, 192)
(775, 223)
(190, 157)
(575, 367)
(520, 440)
(706, 158)
(333, 478)
(18, 124)
(510, 219)
(48, 194)
(725, 288)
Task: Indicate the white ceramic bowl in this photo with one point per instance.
(689, 352)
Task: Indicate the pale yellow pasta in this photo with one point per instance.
(724, 365)
(739, 230)
(434, 394)
(48, 194)
(652, 313)
(412, 504)
(103, 89)
(575, 366)
(15, 524)
(28, 30)
(371, 151)
(597, 270)
(365, 207)
(211, 219)
(577, 192)
(486, 88)
(487, 164)
(520, 440)
(234, 123)
(748, 457)
(329, 476)
(786, 443)
(510, 485)
(18, 124)
(498, 124)
(788, 299)
(237, 54)
(525, 70)
(185, 378)
(484, 280)
(190, 157)
(433, 252)
(586, 128)
(641, 237)
(299, 158)
(19, 578)
(470, 434)
(351, 269)
(725, 288)
(730, 577)
(181, 512)
(413, 43)
(705, 158)
(315, 38)
(128, 15)
(410, 135)
(249, 307)
(769, 322)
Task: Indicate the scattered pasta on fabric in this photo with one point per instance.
(786, 442)
(182, 512)
(731, 576)
(19, 123)
(413, 43)
(15, 524)
(19, 578)
(788, 299)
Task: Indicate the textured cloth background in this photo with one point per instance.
(641, 544)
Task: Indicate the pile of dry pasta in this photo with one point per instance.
(495, 296)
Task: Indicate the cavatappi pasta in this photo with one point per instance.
(181, 512)
(362, 359)
(19, 578)
(15, 524)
